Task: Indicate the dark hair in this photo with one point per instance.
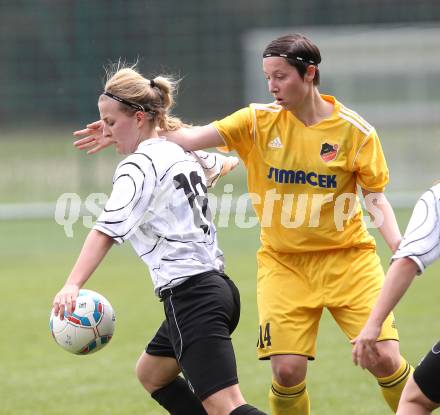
(296, 45)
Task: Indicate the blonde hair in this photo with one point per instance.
(155, 95)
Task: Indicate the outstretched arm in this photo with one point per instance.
(92, 139)
(399, 277)
(419, 248)
(95, 247)
(195, 138)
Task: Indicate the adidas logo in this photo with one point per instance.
(275, 143)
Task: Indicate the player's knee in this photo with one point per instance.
(155, 372)
(289, 374)
(145, 374)
(149, 383)
(224, 401)
(417, 400)
(386, 363)
(412, 396)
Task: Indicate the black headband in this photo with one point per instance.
(290, 56)
(138, 107)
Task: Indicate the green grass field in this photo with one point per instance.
(39, 378)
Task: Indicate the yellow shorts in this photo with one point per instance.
(293, 289)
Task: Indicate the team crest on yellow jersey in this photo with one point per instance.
(328, 152)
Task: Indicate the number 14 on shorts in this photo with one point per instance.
(264, 339)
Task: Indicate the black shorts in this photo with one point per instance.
(201, 313)
(427, 374)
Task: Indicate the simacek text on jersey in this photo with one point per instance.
(294, 210)
(325, 181)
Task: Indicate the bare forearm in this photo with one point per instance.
(397, 281)
(399, 277)
(93, 251)
(191, 139)
(383, 216)
(195, 138)
(390, 229)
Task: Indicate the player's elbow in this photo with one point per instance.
(406, 265)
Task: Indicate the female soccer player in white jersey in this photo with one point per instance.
(305, 155)
(419, 248)
(159, 204)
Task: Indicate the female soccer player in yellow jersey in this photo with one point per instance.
(305, 155)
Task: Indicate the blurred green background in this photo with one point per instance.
(380, 58)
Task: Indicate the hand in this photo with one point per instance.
(65, 300)
(229, 163)
(365, 351)
(94, 141)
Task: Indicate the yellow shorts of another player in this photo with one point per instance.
(293, 290)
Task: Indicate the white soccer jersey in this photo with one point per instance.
(159, 204)
(421, 242)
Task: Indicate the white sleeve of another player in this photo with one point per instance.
(133, 185)
(212, 164)
(421, 241)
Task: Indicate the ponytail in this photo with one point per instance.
(155, 95)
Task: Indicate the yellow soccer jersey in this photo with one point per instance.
(302, 180)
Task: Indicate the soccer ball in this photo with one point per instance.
(89, 328)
